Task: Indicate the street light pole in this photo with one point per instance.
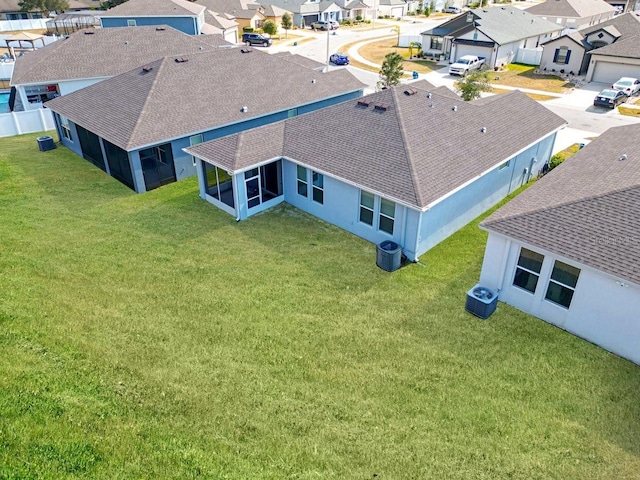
(327, 56)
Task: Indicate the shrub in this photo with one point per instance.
(247, 29)
(358, 18)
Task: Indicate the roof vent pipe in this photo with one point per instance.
(428, 95)
(623, 157)
(483, 130)
(244, 109)
(455, 108)
(313, 80)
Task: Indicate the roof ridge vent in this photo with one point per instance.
(363, 102)
(147, 69)
(381, 107)
(245, 50)
(181, 60)
(89, 32)
(160, 29)
(410, 91)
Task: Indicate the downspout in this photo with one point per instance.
(503, 264)
(236, 199)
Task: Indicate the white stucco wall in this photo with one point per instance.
(604, 309)
(575, 60)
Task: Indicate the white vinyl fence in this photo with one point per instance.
(31, 121)
(406, 40)
(19, 25)
(529, 56)
(6, 70)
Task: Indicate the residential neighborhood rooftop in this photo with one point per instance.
(179, 95)
(413, 143)
(104, 52)
(571, 8)
(503, 24)
(154, 8)
(587, 209)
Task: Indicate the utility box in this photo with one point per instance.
(481, 301)
(389, 256)
(46, 143)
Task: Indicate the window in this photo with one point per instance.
(436, 43)
(292, 113)
(195, 140)
(64, 126)
(504, 165)
(302, 181)
(387, 215)
(318, 187)
(366, 207)
(528, 270)
(562, 284)
(562, 55)
(131, 23)
(253, 187)
(218, 184)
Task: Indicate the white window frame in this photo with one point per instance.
(561, 284)
(302, 180)
(525, 269)
(195, 140)
(317, 188)
(377, 215)
(131, 23)
(66, 129)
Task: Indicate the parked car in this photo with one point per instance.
(452, 9)
(610, 98)
(466, 64)
(256, 39)
(339, 59)
(628, 85)
(321, 25)
(334, 24)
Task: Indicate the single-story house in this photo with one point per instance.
(247, 13)
(92, 55)
(410, 164)
(392, 8)
(188, 17)
(500, 34)
(356, 8)
(307, 11)
(604, 52)
(574, 14)
(566, 250)
(220, 24)
(135, 125)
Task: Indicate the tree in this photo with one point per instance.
(45, 6)
(287, 23)
(417, 46)
(471, 86)
(270, 27)
(396, 29)
(391, 70)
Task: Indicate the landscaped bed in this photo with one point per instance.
(152, 336)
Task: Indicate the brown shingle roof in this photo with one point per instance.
(105, 52)
(587, 209)
(174, 99)
(154, 8)
(415, 151)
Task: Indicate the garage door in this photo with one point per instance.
(462, 50)
(607, 72)
(397, 12)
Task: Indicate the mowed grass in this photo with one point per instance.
(152, 336)
(522, 76)
(376, 51)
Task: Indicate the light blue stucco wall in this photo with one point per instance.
(186, 25)
(455, 211)
(74, 143)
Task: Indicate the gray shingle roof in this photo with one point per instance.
(105, 52)
(300, 60)
(587, 209)
(628, 47)
(571, 8)
(626, 24)
(174, 99)
(155, 8)
(506, 24)
(415, 152)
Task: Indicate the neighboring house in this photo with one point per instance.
(135, 125)
(10, 10)
(90, 56)
(604, 52)
(219, 24)
(248, 14)
(575, 14)
(392, 8)
(411, 164)
(307, 11)
(500, 34)
(188, 17)
(566, 250)
(356, 8)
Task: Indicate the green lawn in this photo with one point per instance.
(151, 336)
